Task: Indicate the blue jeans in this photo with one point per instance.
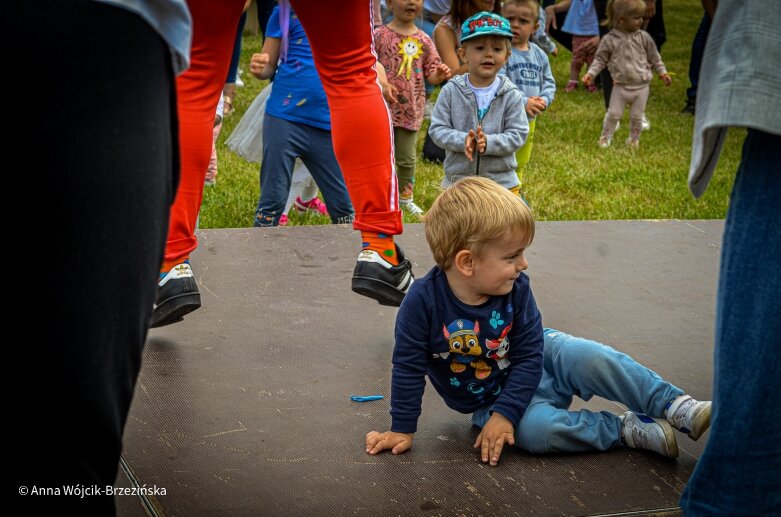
(698, 50)
(283, 142)
(577, 366)
(739, 473)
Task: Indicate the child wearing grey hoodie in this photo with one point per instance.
(480, 110)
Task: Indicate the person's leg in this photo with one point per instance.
(229, 90)
(523, 155)
(211, 171)
(276, 169)
(607, 86)
(613, 115)
(698, 51)
(578, 58)
(107, 172)
(233, 68)
(198, 92)
(588, 58)
(637, 99)
(360, 122)
(548, 427)
(363, 141)
(736, 475)
(586, 368)
(317, 153)
(406, 147)
(575, 366)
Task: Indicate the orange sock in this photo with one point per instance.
(168, 265)
(382, 244)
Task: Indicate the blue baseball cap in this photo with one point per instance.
(485, 24)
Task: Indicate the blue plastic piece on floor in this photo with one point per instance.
(368, 398)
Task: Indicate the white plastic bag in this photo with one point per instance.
(247, 138)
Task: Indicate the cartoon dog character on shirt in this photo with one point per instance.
(464, 344)
(497, 348)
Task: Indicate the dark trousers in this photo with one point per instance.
(738, 473)
(698, 50)
(99, 135)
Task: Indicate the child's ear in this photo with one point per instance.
(464, 262)
(462, 54)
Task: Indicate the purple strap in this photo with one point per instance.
(284, 24)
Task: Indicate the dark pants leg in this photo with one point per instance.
(233, 69)
(283, 142)
(698, 50)
(739, 472)
(99, 135)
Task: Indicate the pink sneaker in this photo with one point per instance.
(313, 205)
(283, 220)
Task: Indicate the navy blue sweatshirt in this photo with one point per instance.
(487, 355)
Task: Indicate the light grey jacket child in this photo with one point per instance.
(504, 124)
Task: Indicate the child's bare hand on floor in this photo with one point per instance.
(397, 442)
(496, 432)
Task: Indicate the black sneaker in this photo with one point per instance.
(377, 278)
(177, 295)
(689, 108)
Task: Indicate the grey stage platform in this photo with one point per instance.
(243, 409)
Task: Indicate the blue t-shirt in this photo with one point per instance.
(581, 19)
(298, 94)
(482, 356)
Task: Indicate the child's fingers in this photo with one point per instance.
(401, 447)
(496, 449)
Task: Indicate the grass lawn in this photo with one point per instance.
(568, 177)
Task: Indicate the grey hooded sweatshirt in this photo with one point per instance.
(505, 126)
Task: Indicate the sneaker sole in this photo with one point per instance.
(384, 293)
(174, 309)
(701, 424)
(669, 437)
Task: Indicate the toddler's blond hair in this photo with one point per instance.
(472, 214)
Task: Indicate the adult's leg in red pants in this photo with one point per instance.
(362, 134)
(198, 92)
(360, 123)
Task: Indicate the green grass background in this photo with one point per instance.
(569, 177)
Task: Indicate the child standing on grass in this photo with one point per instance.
(630, 54)
(479, 118)
(296, 123)
(409, 57)
(528, 68)
(472, 325)
(581, 22)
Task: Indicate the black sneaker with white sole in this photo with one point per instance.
(378, 279)
(177, 295)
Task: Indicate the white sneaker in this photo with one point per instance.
(640, 431)
(646, 124)
(689, 416)
(411, 208)
(604, 142)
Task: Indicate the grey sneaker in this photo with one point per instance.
(640, 431)
(688, 415)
